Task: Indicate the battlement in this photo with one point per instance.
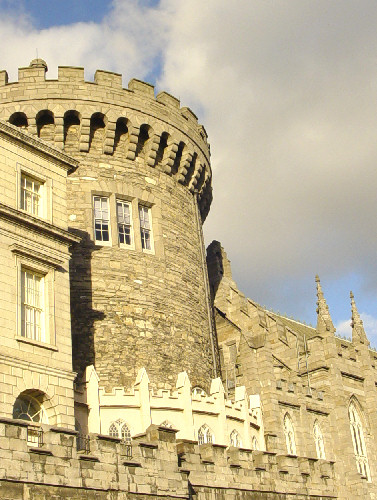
(57, 462)
(103, 117)
(182, 409)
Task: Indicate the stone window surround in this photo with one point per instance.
(38, 265)
(46, 191)
(135, 221)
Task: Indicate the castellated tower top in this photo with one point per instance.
(139, 290)
(168, 135)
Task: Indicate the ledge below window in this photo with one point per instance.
(37, 343)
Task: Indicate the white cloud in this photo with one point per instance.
(287, 92)
(343, 328)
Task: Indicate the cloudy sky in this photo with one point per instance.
(287, 90)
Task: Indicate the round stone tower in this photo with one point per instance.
(139, 290)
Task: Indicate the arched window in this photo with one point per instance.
(205, 435)
(289, 435)
(254, 444)
(120, 429)
(319, 443)
(166, 424)
(359, 447)
(198, 391)
(30, 408)
(235, 439)
(18, 119)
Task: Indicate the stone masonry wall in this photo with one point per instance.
(156, 466)
(130, 308)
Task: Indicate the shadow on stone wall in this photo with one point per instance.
(215, 267)
(83, 316)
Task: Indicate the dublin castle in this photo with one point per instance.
(131, 365)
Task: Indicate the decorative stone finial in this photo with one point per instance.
(324, 321)
(358, 332)
(39, 63)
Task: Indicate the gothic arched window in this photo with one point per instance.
(235, 439)
(289, 435)
(205, 435)
(357, 434)
(198, 391)
(319, 442)
(120, 429)
(254, 444)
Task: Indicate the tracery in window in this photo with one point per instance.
(166, 424)
(254, 444)
(319, 442)
(120, 429)
(359, 446)
(289, 435)
(235, 439)
(205, 435)
(198, 391)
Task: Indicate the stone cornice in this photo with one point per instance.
(65, 161)
(41, 226)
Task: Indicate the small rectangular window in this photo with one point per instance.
(101, 219)
(31, 195)
(145, 227)
(32, 305)
(124, 222)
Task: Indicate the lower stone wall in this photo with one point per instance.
(154, 466)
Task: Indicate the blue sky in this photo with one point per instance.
(287, 92)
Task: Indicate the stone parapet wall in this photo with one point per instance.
(156, 465)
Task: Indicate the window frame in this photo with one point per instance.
(46, 191)
(96, 241)
(49, 322)
(319, 441)
(123, 201)
(33, 305)
(143, 206)
(358, 440)
(289, 433)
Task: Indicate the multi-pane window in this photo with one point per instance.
(32, 305)
(145, 227)
(101, 219)
(124, 222)
(120, 429)
(254, 444)
(31, 195)
(205, 435)
(358, 441)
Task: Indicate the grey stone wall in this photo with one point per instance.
(156, 466)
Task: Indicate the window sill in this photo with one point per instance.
(37, 343)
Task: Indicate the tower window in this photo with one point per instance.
(359, 446)
(32, 305)
(101, 219)
(31, 195)
(145, 227)
(124, 222)
(205, 435)
(289, 435)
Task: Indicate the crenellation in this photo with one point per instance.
(140, 87)
(169, 100)
(70, 74)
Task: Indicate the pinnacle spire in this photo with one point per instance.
(358, 332)
(324, 321)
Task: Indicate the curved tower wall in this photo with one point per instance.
(131, 308)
